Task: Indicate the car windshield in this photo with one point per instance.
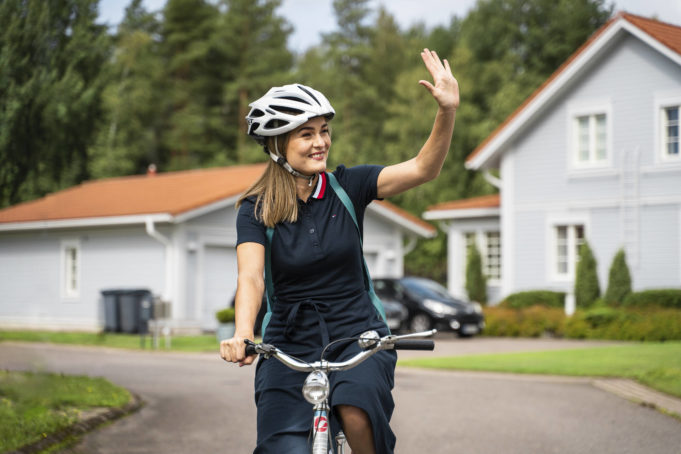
(426, 288)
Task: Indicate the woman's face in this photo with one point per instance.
(308, 146)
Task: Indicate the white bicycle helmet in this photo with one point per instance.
(283, 109)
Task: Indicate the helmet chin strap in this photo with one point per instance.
(282, 162)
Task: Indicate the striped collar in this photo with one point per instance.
(321, 186)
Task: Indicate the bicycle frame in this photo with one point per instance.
(316, 387)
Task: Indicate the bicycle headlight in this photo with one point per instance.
(316, 387)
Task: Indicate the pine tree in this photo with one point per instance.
(129, 138)
(619, 280)
(51, 60)
(587, 289)
(476, 284)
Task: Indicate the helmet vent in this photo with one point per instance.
(273, 124)
(286, 110)
(311, 95)
(256, 113)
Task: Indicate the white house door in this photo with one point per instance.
(219, 272)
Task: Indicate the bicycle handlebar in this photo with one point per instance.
(404, 342)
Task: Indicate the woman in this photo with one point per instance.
(316, 263)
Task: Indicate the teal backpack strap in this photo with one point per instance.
(269, 285)
(345, 199)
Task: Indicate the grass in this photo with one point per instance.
(655, 364)
(202, 343)
(33, 405)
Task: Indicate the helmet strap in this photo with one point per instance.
(282, 162)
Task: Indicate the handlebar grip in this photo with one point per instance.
(415, 344)
(250, 348)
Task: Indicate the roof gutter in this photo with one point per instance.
(170, 256)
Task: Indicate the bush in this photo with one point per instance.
(529, 298)
(225, 315)
(619, 280)
(587, 289)
(534, 321)
(476, 285)
(670, 298)
(649, 324)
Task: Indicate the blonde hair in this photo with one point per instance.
(275, 191)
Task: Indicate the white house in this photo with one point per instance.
(172, 233)
(592, 154)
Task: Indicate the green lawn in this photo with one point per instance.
(33, 405)
(202, 343)
(654, 364)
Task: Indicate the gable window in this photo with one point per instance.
(670, 133)
(567, 239)
(591, 140)
(70, 269)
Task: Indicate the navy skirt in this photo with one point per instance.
(303, 329)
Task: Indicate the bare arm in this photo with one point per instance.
(250, 286)
(427, 164)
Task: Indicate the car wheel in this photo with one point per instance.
(420, 322)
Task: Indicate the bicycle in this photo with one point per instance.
(316, 386)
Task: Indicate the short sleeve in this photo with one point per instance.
(360, 182)
(248, 228)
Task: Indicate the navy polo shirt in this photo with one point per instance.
(318, 257)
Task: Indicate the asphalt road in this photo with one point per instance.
(196, 403)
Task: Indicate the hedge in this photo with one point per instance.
(533, 298)
(670, 298)
(649, 324)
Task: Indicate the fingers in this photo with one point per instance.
(428, 85)
(234, 351)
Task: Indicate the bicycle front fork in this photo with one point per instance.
(320, 432)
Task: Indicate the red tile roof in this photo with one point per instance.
(485, 201)
(399, 211)
(171, 193)
(667, 34)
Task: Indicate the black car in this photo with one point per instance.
(429, 305)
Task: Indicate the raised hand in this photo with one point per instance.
(445, 88)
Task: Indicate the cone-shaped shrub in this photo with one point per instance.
(619, 280)
(587, 289)
(476, 284)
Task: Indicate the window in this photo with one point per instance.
(70, 269)
(670, 132)
(492, 259)
(489, 245)
(568, 240)
(591, 140)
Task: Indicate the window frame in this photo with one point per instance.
(591, 111)
(573, 243)
(70, 272)
(661, 105)
(480, 238)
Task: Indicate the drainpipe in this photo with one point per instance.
(491, 179)
(152, 232)
(411, 244)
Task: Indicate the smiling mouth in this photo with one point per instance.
(317, 155)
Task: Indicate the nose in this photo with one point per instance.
(319, 141)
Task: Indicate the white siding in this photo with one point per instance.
(31, 273)
(644, 199)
